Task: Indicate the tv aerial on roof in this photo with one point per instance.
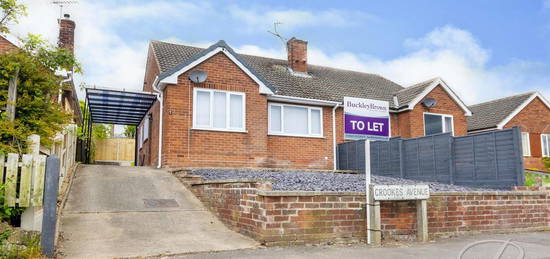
(61, 3)
(198, 76)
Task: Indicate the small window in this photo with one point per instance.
(437, 123)
(146, 125)
(545, 145)
(295, 120)
(218, 110)
(525, 144)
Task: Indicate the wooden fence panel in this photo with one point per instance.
(489, 159)
(39, 169)
(26, 181)
(115, 149)
(11, 179)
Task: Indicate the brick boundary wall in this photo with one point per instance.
(276, 218)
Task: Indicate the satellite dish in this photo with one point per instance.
(198, 76)
(429, 102)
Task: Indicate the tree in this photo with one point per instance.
(130, 131)
(10, 13)
(37, 111)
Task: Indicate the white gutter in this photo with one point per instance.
(160, 99)
(300, 100)
(334, 147)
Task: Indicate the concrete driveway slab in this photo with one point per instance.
(116, 212)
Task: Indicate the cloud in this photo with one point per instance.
(291, 19)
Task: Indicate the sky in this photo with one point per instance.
(482, 49)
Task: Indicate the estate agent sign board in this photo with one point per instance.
(366, 119)
(401, 192)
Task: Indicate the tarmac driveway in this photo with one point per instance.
(115, 211)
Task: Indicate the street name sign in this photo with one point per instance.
(401, 192)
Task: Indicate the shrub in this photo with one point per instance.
(546, 162)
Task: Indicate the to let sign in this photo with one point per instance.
(366, 119)
(401, 192)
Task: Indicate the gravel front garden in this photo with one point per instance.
(295, 180)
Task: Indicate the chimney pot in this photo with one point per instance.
(297, 55)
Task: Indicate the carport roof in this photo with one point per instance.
(112, 106)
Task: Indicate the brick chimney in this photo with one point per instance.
(297, 55)
(66, 32)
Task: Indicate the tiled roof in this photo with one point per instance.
(489, 114)
(407, 95)
(322, 83)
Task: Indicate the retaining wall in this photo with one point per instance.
(252, 208)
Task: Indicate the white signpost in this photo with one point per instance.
(370, 120)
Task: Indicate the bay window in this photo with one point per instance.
(437, 123)
(295, 120)
(545, 145)
(218, 110)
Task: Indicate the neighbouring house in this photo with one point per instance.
(530, 111)
(256, 111)
(64, 142)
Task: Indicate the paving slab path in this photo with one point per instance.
(116, 211)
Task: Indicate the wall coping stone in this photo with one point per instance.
(336, 193)
(308, 193)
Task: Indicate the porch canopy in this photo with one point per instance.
(112, 106)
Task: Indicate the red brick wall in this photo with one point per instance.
(291, 218)
(148, 154)
(535, 119)
(410, 124)
(5, 45)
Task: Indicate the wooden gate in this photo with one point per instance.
(114, 149)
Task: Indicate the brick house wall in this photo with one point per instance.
(187, 147)
(535, 119)
(410, 124)
(6, 45)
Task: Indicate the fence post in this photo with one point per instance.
(31, 219)
(518, 152)
(401, 159)
(51, 188)
(451, 160)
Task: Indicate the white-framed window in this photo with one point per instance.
(295, 120)
(438, 123)
(525, 144)
(146, 126)
(219, 110)
(545, 145)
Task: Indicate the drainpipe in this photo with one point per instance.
(68, 79)
(159, 98)
(334, 136)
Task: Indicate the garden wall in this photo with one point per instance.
(292, 218)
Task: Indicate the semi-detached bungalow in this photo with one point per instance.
(256, 111)
(530, 111)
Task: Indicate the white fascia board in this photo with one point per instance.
(447, 89)
(299, 100)
(173, 78)
(521, 107)
(13, 40)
